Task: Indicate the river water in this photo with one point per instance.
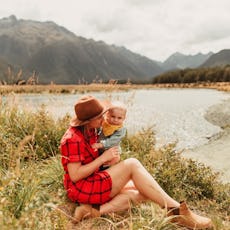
(176, 115)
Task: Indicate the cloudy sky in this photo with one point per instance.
(153, 28)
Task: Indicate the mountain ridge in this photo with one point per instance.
(181, 61)
(221, 58)
(57, 55)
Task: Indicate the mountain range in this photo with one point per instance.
(181, 61)
(55, 54)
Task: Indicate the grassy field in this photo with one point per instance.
(31, 178)
(6, 89)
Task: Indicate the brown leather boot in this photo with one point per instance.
(84, 211)
(183, 216)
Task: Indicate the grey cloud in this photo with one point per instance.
(144, 2)
(210, 34)
(117, 20)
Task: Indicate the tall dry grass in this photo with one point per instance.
(52, 88)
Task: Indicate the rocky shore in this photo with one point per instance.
(217, 152)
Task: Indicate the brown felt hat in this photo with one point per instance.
(86, 109)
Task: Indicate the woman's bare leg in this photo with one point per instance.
(123, 200)
(132, 169)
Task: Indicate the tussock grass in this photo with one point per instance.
(31, 178)
(96, 87)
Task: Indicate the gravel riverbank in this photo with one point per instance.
(216, 153)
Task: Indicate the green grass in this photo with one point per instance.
(31, 178)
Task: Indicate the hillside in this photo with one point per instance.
(221, 58)
(58, 55)
(181, 61)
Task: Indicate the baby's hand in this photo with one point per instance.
(97, 146)
(109, 154)
(113, 161)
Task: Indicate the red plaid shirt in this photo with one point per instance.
(96, 188)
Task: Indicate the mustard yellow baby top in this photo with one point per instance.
(109, 129)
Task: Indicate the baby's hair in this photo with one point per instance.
(118, 105)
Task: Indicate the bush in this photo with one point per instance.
(28, 135)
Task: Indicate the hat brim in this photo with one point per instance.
(76, 122)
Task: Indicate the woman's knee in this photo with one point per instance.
(133, 162)
(122, 172)
(133, 195)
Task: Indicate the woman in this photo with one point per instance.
(112, 189)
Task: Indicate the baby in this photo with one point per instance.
(112, 131)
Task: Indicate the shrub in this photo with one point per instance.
(28, 135)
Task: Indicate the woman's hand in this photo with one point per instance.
(97, 146)
(114, 161)
(110, 154)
